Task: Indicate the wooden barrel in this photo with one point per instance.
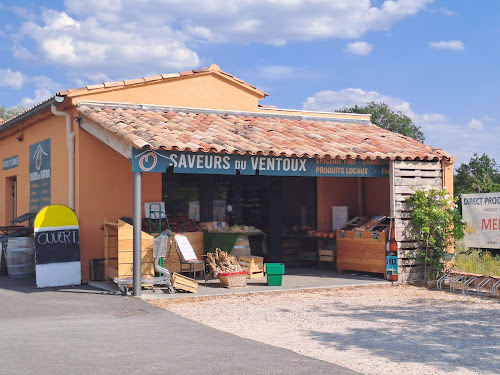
(241, 247)
(20, 257)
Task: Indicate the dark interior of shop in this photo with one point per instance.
(281, 207)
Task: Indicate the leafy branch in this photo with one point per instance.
(436, 223)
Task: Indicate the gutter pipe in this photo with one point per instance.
(70, 144)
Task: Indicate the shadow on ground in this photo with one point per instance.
(448, 336)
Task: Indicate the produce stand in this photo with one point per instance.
(226, 240)
(361, 245)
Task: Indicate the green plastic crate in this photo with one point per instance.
(274, 280)
(275, 269)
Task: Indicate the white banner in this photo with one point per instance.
(481, 213)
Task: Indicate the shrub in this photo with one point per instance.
(436, 224)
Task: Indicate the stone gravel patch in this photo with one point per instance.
(373, 330)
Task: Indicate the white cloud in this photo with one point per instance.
(333, 100)
(283, 72)
(359, 48)
(92, 48)
(22, 53)
(454, 45)
(123, 38)
(11, 79)
(460, 140)
(443, 11)
(40, 96)
(44, 88)
(475, 124)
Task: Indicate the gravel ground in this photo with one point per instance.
(372, 330)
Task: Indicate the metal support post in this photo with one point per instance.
(137, 266)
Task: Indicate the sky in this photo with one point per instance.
(436, 61)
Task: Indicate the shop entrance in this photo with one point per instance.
(10, 199)
(278, 206)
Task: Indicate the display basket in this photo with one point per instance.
(233, 279)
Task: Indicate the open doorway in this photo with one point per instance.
(10, 199)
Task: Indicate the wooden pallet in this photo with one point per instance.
(184, 283)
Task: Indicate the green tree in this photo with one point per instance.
(480, 175)
(8, 113)
(386, 118)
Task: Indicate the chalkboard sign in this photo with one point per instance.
(57, 247)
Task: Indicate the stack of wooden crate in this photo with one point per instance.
(253, 264)
(118, 251)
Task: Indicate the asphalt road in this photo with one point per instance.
(83, 330)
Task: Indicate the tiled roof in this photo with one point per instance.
(202, 130)
(2, 121)
(211, 69)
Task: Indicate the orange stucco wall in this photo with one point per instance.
(53, 128)
(336, 191)
(105, 191)
(200, 91)
(344, 191)
(376, 196)
(447, 176)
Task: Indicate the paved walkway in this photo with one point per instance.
(295, 279)
(84, 330)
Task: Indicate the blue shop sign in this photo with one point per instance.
(207, 163)
(11, 162)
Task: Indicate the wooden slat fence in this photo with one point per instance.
(409, 174)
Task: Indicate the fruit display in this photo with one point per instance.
(324, 234)
(235, 229)
(178, 224)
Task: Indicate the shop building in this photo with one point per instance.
(202, 137)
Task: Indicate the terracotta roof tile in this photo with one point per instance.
(93, 87)
(153, 78)
(133, 81)
(113, 84)
(250, 133)
(212, 68)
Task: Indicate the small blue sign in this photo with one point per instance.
(208, 163)
(391, 265)
(11, 162)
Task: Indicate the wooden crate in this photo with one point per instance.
(253, 264)
(184, 283)
(292, 248)
(326, 255)
(360, 252)
(119, 248)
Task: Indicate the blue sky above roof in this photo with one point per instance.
(436, 61)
